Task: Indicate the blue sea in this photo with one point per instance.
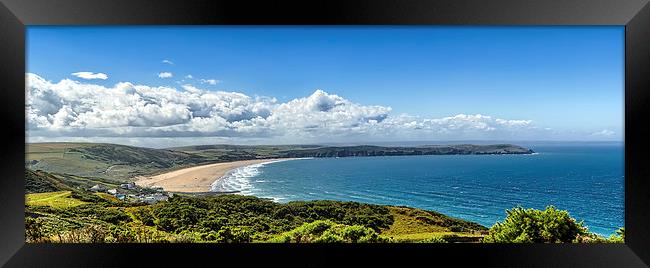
(585, 179)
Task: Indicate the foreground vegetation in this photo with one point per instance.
(545, 226)
(73, 217)
(231, 218)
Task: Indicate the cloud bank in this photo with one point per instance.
(83, 110)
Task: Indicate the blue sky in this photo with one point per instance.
(567, 79)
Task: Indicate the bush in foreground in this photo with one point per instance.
(326, 231)
(536, 226)
(434, 239)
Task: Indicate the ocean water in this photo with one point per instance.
(587, 180)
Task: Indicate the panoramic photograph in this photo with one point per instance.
(311, 134)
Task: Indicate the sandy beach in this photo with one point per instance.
(195, 179)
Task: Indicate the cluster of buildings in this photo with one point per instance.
(125, 193)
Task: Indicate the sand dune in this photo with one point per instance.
(195, 179)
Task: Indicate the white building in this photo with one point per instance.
(98, 188)
(153, 198)
(128, 186)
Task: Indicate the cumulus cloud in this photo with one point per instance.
(70, 108)
(91, 75)
(167, 62)
(165, 75)
(210, 81)
(189, 76)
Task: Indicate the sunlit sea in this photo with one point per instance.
(585, 179)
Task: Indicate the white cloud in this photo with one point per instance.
(167, 62)
(91, 75)
(192, 89)
(189, 76)
(165, 75)
(604, 133)
(70, 108)
(210, 81)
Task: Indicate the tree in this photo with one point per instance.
(619, 237)
(434, 239)
(326, 231)
(229, 234)
(621, 232)
(536, 226)
(34, 230)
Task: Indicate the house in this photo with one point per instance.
(98, 188)
(112, 191)
(120, 196)
(157, 188)
(128, 186)
(149, 199)
(153, 198)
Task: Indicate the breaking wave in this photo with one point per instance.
(240, 179)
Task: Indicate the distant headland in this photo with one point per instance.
(121, 163)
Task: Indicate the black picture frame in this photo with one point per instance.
(633, 14)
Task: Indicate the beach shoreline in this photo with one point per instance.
(198, 179)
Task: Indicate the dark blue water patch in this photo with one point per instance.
(586, 180)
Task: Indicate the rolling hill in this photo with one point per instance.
(107, 161)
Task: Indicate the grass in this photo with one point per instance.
(107, 196)
(39, 151)
(61, 158)
(60, 199)
(413, 225)
(117, 163)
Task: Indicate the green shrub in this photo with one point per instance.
(329, 237)
(119, 234)
(619, 237)
(456, 228)
(34, 231)
(434, 239)
(536, 226)
(145, 215)
(233, 235)
(213, 222)
(326, 231)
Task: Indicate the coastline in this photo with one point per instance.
(199, 178)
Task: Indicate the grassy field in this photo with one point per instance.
(117, 163)
(413, 225)
(60, 199)
(108, 197)
(61, 158)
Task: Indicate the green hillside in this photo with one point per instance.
(107, 161)
(42, 182)
(65, 217)
(60, 200)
